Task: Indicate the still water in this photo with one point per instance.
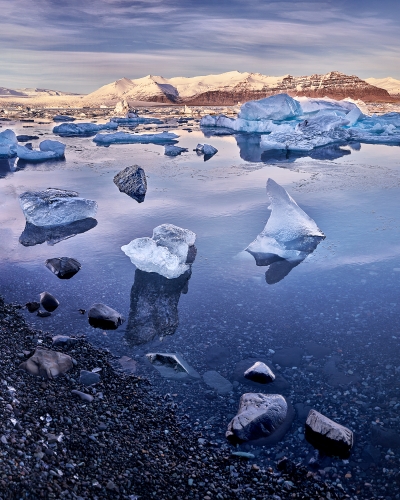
(329, 327)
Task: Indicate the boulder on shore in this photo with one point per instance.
(47, 364)
(327, 435)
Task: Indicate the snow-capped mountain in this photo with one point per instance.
(390, 84)
(10, 92)
(233, 87)
(31, 92)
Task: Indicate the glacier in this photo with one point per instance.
(290, 235)
(170, 252)
(126, 138)
(85, 129)
(55, 207)
(8, 144)
(48, 150)
(304, 124)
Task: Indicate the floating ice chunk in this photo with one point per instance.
(55, 207)
(310, 104)
(169, 252)
(289, 230)
(277, 107)
(63, 118)
(76, 129)
(170, 150)
(135, 120)
(48, 150)
(206, 149)
(126, 138)
(8, 144)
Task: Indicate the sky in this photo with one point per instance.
(80, 45)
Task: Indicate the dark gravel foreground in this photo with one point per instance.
(127, 443)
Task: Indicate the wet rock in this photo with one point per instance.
(259, 415)
(327, 435)
(171, 365)
(89, 378)
(43, 314)
(154, 306)
(170, 150)
(260, 372)
(290, 356)
(217, 382)
(102, 316)
(278, 386)
(83, 395)
(47, 364)
(32, 306)
(132, 181)
(48, 301)
(63, 267)
(388, 438)
(63, 340)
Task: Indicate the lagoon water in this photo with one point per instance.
(329, 327)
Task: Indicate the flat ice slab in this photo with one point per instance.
(63, 118)
(55, 207)
(126, 138)
(76, 129)
(166, 253)
(136, 120)
(48, 150)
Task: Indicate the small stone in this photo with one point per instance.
(32, 306)
(83, 395)
(48, 301)
(102, 316)
(63, 340)
(63, 267)
(260, 373)
(89, 378)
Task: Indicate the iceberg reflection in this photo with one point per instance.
(35, 235)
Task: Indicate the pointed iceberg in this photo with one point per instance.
(170, 252)
(289, 234)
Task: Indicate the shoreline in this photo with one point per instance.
(54, 445)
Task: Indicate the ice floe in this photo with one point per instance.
(135, 120)
(169, 252)
(55, 207)
(63, 118)
(48, 150)
(8, 144)
(76, 129)
(170, 150)
(126, 138)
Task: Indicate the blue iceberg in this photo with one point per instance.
(8, 144)
(85, 129)
(126, 138)
(48, 150)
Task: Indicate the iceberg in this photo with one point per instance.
(48, 150)
(63, 118)
(135, 120)
(132, 181)
(8, 144)
(206, 150)
(126, 138)
(170, 150)
(289, 236)
(170, 252)
(276, 107)
(85, 129)
(55, 207)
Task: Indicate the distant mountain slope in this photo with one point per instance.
(32, 92)
(10, 92)
(232, 87)
(390, 84)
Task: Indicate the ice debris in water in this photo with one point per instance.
(206, 149)
(8, 144)
(135, 120)
(55, 207)
(166, 253)
(170, 150)
(63, 118)
(48, 150)
(126, 138)
(76, 129)
(289, 230)
(309, 124)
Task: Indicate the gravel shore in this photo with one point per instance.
(127, 443)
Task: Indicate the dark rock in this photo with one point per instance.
(259, 372)
(32, 306)
(259, 415)
(290, 356)
(43, 314)
(25, 138)
(63, 267)
(89, 378)
(47, 364)
(278, 386)
(35, 235)
(154, 306)
(102, 316)
(327, 435)
(83, 395)
(48, 301)
(132, 181)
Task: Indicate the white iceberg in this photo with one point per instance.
(76, 129)
(55, 207)
(126, 138)
(48, 150)
(289, 232)
(8, 144)
(169, 252)
(277, 107)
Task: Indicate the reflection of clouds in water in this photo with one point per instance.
(154, 306)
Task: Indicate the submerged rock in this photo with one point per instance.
(217, 382)
(102, 316)
(63, 267)
(132, 181)
(55, 207)
(36, 235)
(169, 252)
(259, 415)
(260, 373)
(171, 365)
(327, 435)
(154, 306)
(48, 301)
(47, 364)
